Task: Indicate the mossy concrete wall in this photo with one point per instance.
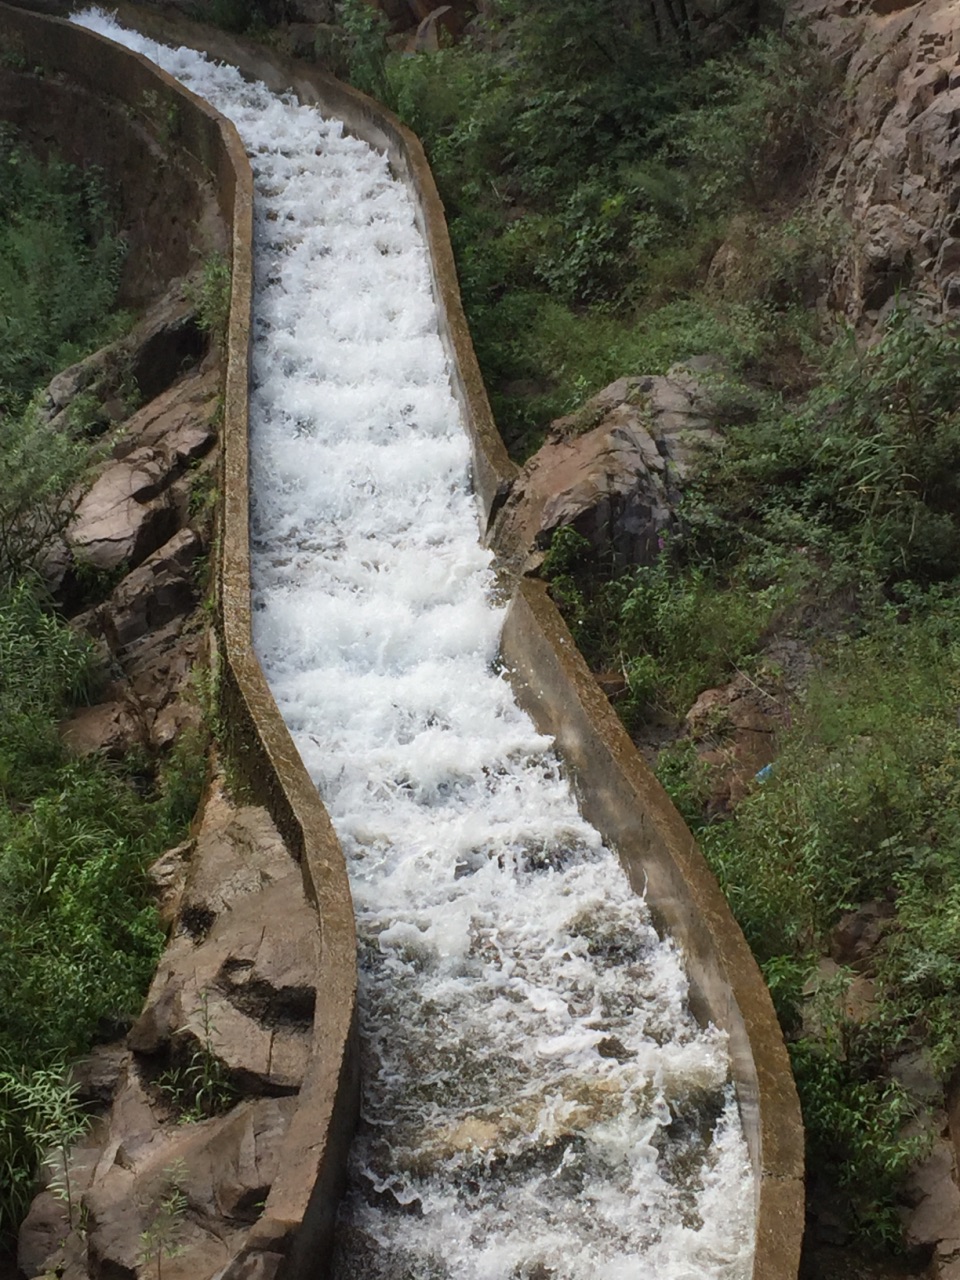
(616, 790)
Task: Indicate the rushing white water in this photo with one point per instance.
(538, 1100)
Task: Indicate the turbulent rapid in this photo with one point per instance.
(538, 1101)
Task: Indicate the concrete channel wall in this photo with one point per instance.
(298, 1216)
(618, 793)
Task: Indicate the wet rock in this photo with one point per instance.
(613, 471)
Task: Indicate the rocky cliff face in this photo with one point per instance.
(893, 170)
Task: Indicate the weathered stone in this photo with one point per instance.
(180, 423)
(233, 1167)
(168, 875)
(41, 1236)
(124, 516)
(238, 852)
(613, 470)
(934, 1219)
(255, 1265)
(854, 938)
(161, 589)
(108, 728)
(99, 1074)
(734, 728)
(313, 11)
(893, 173)
(237, 981)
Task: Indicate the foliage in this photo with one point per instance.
(42, 466)
(39, 1111)
(366, 47)
(200, 1087)
(587, 169)
(159, 1239)
(671, 630)
(79, 938)
(40, 1119)
(864, 471)
(210, 294)
(60, 261)
(861, 807)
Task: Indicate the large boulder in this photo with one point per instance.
(237, 979)
(136, 505)
(160, 590)
(614, 470)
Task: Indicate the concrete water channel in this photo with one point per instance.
(550, 1089)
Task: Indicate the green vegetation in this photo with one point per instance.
(861, 807)
(79, 937)
(60, 261)
(211, 297)
(200, 1086)
(589, 163)
(160, 1239)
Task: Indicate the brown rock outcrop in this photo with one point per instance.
(893, 168)
(734, 728)
(134, 505)
(613, 470)
(235, 986)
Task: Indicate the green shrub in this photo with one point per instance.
(587, 169)
(42, 467)
(366, 47)
(865, 471)
(60, 261)
(79, 937)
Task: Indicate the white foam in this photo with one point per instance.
(527, 1038)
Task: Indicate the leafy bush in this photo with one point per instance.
(60, 262)
(865, 471)
(587, 165)
(42, 466)
(79, 937)
(366, 40)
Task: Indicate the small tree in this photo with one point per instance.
(159, 1239)
(53, 1120)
